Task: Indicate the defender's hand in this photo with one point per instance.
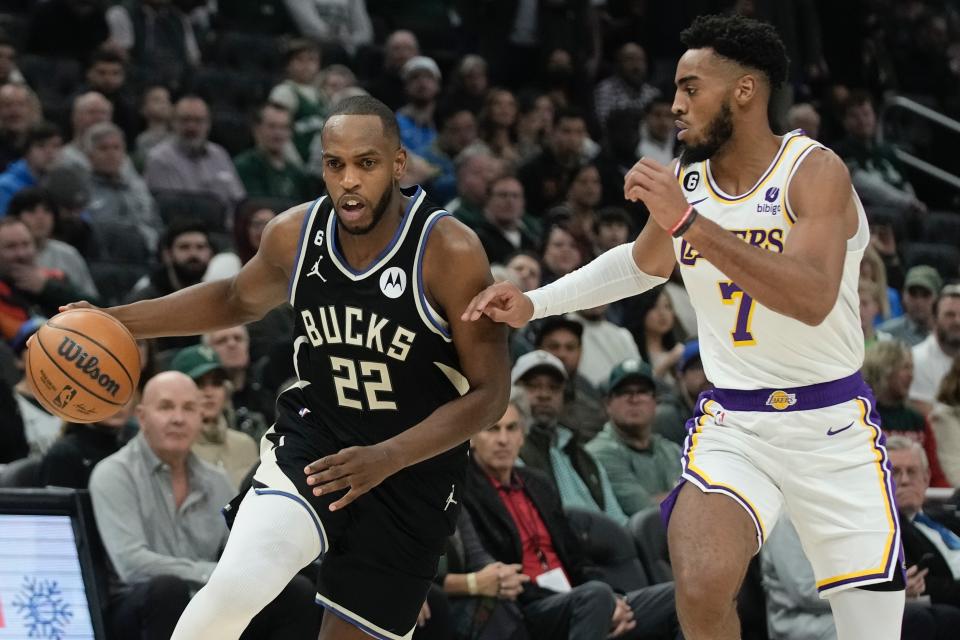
(655, 185)
(359, 468)
(501, 302)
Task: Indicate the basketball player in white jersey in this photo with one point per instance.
(769, 235)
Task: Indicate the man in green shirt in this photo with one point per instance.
(266, 170)
(642, 466)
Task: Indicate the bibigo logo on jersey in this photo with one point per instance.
(393, 282)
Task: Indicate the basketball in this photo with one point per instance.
(82, 365)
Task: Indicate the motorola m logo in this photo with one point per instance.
(393, 282)
(770, 205)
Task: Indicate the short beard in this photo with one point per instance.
(378, 212)
(189, 273)
(718, 133)
(950, 341)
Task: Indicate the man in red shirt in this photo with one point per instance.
(519, 519)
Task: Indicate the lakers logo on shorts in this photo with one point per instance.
(780, 400)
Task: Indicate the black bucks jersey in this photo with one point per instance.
(373, 358)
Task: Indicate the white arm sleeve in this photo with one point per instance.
(612, 276)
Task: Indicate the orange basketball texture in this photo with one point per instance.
(83, 365)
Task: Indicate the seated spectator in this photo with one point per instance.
(188, 161)
(421, 81)
(218, 442)
(643, 466)
(627, 88)
(534, 121)
(87, 109)
(871, 299)
(945, 422)
(934, 356)
(43, 144)
(116, 196)
(300, 93)
(18, 113)
(157, 506)
(503, 230)
(253, 407)
(804, 116)
(185, 252)
(253, 215)
(388, 86)
(674, 409)
(468, 86)
(604, 345)
(72, 457)
(795, 610)
(584, 194)
(66, 28)
(545, 177)
(525, 270)
(155, 34)
(497, 126)
(344, 24)
(476, 169)
(582, 403)
(70, 193)
(611, 228)
(553, 447)
(9, 74)
(265, 170)
(38, 428)
(107, 74)
(922, 535)
(336, 80)
(457, 130)
(562, 252)
(920, 288)
(157, 113)
(618, 155)
(519, 520)
(27, 290)
(888, 368)
(873, 269)
(653, 324)
(658, 133)
(36, 209)
(875, 171)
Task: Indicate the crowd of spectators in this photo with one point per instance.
(145, 144)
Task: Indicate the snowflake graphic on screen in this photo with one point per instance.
(41, 604)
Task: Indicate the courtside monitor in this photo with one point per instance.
(48, 547)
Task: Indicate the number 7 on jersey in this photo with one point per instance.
(730, 293)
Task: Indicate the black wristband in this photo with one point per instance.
(682, 229)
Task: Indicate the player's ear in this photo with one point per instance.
(745, 88)
(399, 163)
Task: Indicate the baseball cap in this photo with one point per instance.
(923, 276)
(537, 361)
(691, 352)
(196, 361)
(630, 369)
(420, 63)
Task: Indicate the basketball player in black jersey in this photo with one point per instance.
(365, 462)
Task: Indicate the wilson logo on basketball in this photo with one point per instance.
(87, 364)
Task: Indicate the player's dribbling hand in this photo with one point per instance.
(501, 302)
(357, 468)
(655, 185)
(80, 304)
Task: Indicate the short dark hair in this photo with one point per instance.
(258, 116)
(568, 113)
(295, 46)
(610, 216)
(29, 199)
(558, 323)
(856, 98)
(106, 54)
(180, 226)
(369, 106)
(41, 132)
(748, 42)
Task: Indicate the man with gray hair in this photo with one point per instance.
(925, 540)
(116, 197)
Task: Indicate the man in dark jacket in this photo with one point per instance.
(925, 539)
(519, 520)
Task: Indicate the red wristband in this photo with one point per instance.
(683, 218)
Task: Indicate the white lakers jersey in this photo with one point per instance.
(743, 344)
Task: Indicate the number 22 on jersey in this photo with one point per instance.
(731, 294)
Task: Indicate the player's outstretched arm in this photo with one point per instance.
(803, 282)
(455, 269)
(621, 272)
(260, 286)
